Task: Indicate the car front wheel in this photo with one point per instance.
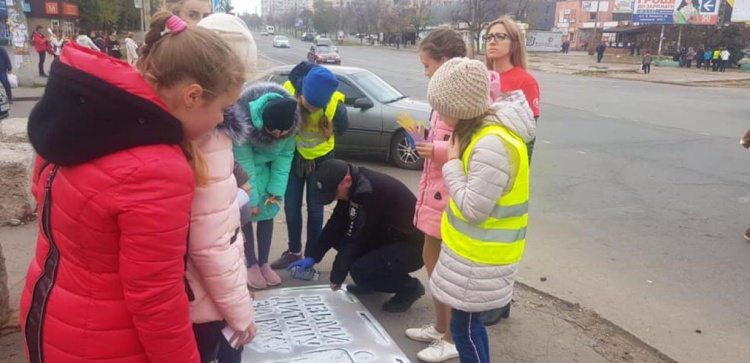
(402, 154)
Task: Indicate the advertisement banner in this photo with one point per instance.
(702, 12)
(740, 11)
(220, 6)
(623, 6)
(541, 41)
(591, 6)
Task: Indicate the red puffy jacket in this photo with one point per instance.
(40, 43)
(114, 190)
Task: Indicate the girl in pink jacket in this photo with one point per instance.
(437, 48)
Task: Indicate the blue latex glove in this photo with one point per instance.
(303, 265)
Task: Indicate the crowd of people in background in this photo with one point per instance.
(717, 60)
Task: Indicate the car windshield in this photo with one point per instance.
(325, 42)
(380, 89)
(282, 38)
(321, 49)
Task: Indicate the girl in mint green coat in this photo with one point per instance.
(264, 147)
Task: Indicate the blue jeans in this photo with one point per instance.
(293, 205)
(470, 337)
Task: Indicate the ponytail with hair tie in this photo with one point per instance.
(174, 25)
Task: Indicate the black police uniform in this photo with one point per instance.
(374, 235)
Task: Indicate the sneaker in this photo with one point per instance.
(255, 278)
(426, 334)
(492, 317)
(285, 260)
(358, 289)
(403, 301)
(438, 351)
(272, 279)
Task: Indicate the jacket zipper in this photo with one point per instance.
(37, 356)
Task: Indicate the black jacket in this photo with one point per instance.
(380, 211)
(5, 63)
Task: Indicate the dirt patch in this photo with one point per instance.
(612, 342)
(744, 83)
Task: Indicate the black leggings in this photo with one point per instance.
(42, 57)
(208, 336)
(265, 235)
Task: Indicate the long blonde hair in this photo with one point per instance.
(325, 126)
(467, 128)
(518, 46)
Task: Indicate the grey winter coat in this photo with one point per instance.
(457, 281)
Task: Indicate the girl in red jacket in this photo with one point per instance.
(107, 282)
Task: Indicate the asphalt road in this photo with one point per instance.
(639, 201)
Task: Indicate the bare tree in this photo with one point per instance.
(477, 14)
(420, 15)
(356, 12)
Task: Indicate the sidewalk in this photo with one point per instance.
(541, 328)
(629, 68)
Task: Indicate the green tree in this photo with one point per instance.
(325, 18)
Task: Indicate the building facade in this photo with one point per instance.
(585, 23)
(53, 15)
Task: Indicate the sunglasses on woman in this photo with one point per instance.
(496, 36)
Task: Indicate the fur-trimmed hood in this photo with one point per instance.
(238, 121)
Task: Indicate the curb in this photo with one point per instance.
(620, 330)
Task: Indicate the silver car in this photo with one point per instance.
(280, 41)
(374, 108)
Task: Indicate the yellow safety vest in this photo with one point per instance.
(309, 143)
(500, 239)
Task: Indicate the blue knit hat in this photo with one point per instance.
(318, 86)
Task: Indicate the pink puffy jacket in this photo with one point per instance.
(433, 193)
(216, 270)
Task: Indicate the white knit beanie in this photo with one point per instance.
(235, 33)
(460, 89)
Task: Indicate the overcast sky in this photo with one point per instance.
(246, 6)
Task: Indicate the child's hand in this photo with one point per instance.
(454, 147)
(256, 211)
(246, 188)
(425, 149)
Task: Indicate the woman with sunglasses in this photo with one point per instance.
(506, 54)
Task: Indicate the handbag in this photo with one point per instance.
(13, 80)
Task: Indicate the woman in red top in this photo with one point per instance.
(506, 54)
(40, 45)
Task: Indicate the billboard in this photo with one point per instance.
(702, 12)
(541, 41)
(623, 6)
(740, 11)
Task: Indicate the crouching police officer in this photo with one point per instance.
(373, 231)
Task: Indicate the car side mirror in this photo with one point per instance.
(363, 103)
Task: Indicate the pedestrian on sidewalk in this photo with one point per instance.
(646, 63)
(6, 68)
(98, 39)
(41, 45)
(372, 231)
(131, 47)
(699, 59)
(85, 41)
(436, 49)
(707, 56)
(506, 54)
(715, 60)
(689, 57)
(56, 43)
(114, 236)
(724, 55)
(113, 46)
(488, 180)
(600, 49)
(323, 117)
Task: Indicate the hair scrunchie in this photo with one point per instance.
(175, 25)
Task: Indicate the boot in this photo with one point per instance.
(285, 260)
(492, 317)
(255, 278)
(272, 279)
(403, 301)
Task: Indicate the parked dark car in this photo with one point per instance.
(323, 54)
(374, 108)
(308, 37)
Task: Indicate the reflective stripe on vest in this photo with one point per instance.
(500, 239)
(309, 143)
